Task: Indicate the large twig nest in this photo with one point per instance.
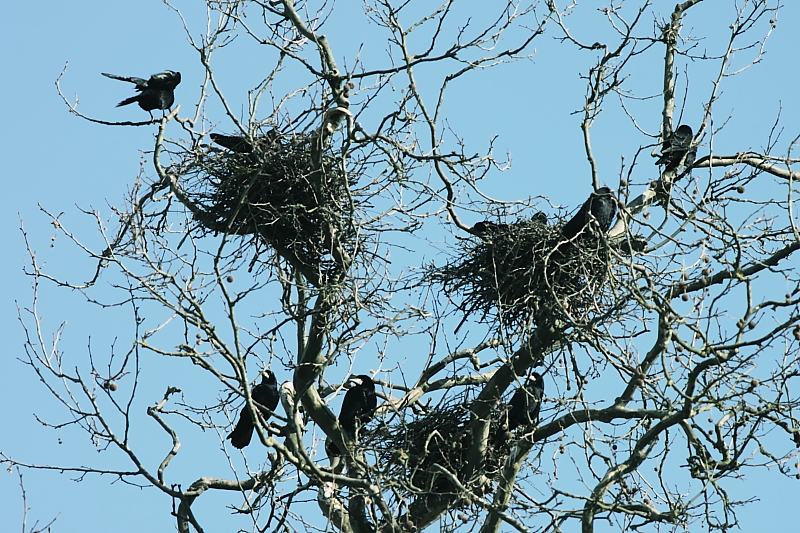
(412, 451)
(527, 272)
(274, 189)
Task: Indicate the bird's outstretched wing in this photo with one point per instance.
(141, 84)
(155, 93)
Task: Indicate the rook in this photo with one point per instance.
(675, 147)
(358, 407)
(266, 394)
(155, 93)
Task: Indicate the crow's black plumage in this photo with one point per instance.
(676, 146)
(539, 218)
(156, 93)
(266, 394)
(526, 402)
(233, 143)
(487, 227)
(358, 407)
(359, 403)
(240, 144)
(601, 206)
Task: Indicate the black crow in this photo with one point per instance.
(675, 147)
(266, 394)
(601, 205)
(358, 407)
(233, 143)
(526, 402)
(359, 403)
(155, 93)
(240, 144)
(539, 218)
(487, 227)
(632, 244)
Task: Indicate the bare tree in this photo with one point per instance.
(273, 249)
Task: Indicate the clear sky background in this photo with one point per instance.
(53, 159)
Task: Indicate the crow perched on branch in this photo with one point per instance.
(358, 407)
(675, 147)
(266, 394)
(601, 207)
(156, 93)
(526, 402)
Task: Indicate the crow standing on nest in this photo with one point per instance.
(234, 143)
(156, 93)
(675, 147)
(358, 407)
(601, 207)
(266, 394)
(485, 228)
(240, 144)
(526, 402)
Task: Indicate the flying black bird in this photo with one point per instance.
(601, 205)
(675, 147)
(358, 407)
(526, 402)
(156, 93)
(266, 394)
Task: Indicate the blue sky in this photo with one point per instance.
(62, 163)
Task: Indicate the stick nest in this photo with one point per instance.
(276, 191)
(410, 450)
(527, 273)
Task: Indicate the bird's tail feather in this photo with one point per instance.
(243, 432)
(128, 101)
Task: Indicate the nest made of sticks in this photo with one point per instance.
(410, 450)
(527, 273)
(275, 190)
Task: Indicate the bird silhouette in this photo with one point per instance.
(675, 147)
(487, 227)
(526, 402)
(156, 93)
(240, 144)
(358, 408)
(600, 207)
(234, 143)
(265, 394)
